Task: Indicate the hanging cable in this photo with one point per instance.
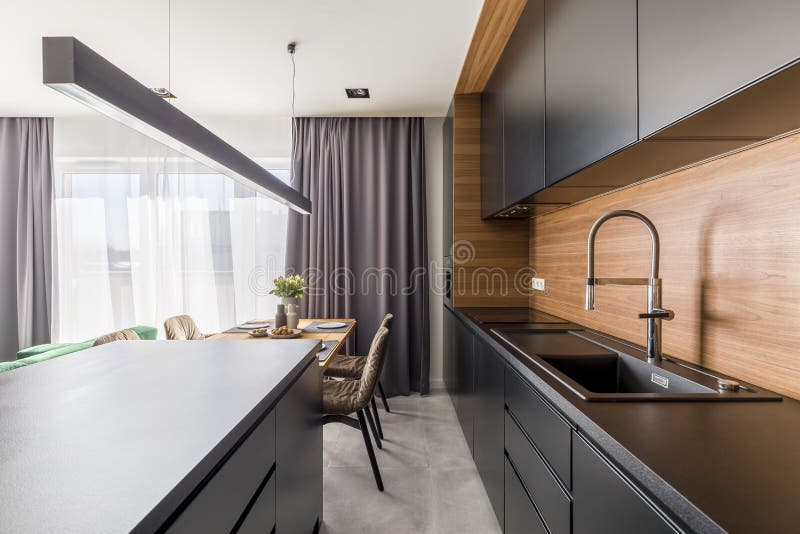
(169, 47)
(291, 48)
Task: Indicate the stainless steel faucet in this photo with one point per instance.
(654, 310)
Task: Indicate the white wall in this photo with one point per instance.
(435, 177)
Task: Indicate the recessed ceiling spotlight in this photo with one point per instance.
(357, 93)
(163, 92)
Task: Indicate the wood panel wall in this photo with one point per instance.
(488, 256)
(730, 263)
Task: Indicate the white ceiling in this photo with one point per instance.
(229, 56)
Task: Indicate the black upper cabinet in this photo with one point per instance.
(694, 52)
(447, 182)
(512, 117)
(591, 82)
(492, 186)
(489, 422)
(523, 106)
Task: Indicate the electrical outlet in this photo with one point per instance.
(537, 283)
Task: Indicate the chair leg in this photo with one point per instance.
(372, 427)
(383, 397)
(370, 452)
(375, 414)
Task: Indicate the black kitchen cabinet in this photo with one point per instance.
(512, 117)
(521, 516)
(603, 502)
(448, 356)
(298, 455)
(448, 134)
(488, 425)
(694, 52)
(591, 82)
(464, 401)
(524, 106)
(492, 186)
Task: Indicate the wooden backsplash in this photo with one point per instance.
(487, 255)
(730, 263)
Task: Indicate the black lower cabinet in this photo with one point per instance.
(488, 422)
(464, 401)
(298, 455)
(604, 503)
(520, 514)
(448, 357)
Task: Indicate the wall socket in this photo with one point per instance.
(537, 284)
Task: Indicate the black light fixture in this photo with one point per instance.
(76, 70)
(362, 92)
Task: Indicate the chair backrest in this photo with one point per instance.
(372, 367)
(115, 336)
(182, 327)
(387, 321)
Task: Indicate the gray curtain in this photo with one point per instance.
(26, 196)
(363, 249)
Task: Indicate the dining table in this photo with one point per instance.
(333, 340)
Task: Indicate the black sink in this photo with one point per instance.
(598, 368)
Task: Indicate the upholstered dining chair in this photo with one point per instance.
(341, 398)
(351, 367)
(182, 327)
(115, 336)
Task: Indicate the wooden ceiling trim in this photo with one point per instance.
(497, 21)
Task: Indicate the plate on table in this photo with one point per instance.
(331, 326)
(253, 324)
(290, 333)
(259, 332)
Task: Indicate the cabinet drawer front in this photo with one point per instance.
(521, 516)
(553, 504)
(221, 502)
(550, 433)
(261, 517)
(605, 503)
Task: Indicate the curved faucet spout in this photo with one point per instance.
(624, 213)
(654, 312)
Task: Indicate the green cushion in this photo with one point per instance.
(38, 349)
(48, 351)
(145, 332)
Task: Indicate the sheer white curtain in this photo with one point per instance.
(143, 237)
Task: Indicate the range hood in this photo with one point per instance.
(759, 112)
(77, 71)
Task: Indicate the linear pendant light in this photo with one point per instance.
(76, 70)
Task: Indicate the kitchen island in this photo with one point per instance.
(177, 436)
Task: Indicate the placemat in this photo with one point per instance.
(328, 347)
(313, 329)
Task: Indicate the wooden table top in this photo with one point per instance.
(339, 337)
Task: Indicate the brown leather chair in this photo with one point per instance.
(182, 327)
(115, 336)
(351, 367)
(340, 398)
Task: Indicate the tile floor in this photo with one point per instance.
(431, 483)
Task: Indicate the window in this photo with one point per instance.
(138, 241)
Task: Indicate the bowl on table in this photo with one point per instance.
(283, 332)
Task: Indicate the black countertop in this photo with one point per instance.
(714, 466)
(118, 435)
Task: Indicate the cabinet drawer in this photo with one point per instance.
(221, 502)
(605, 503)
(521, 516)
(552, 502)
(550, 433)
(261, 517)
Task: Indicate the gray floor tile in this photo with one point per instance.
(431, 483)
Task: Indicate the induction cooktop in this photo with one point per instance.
(512, 316)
